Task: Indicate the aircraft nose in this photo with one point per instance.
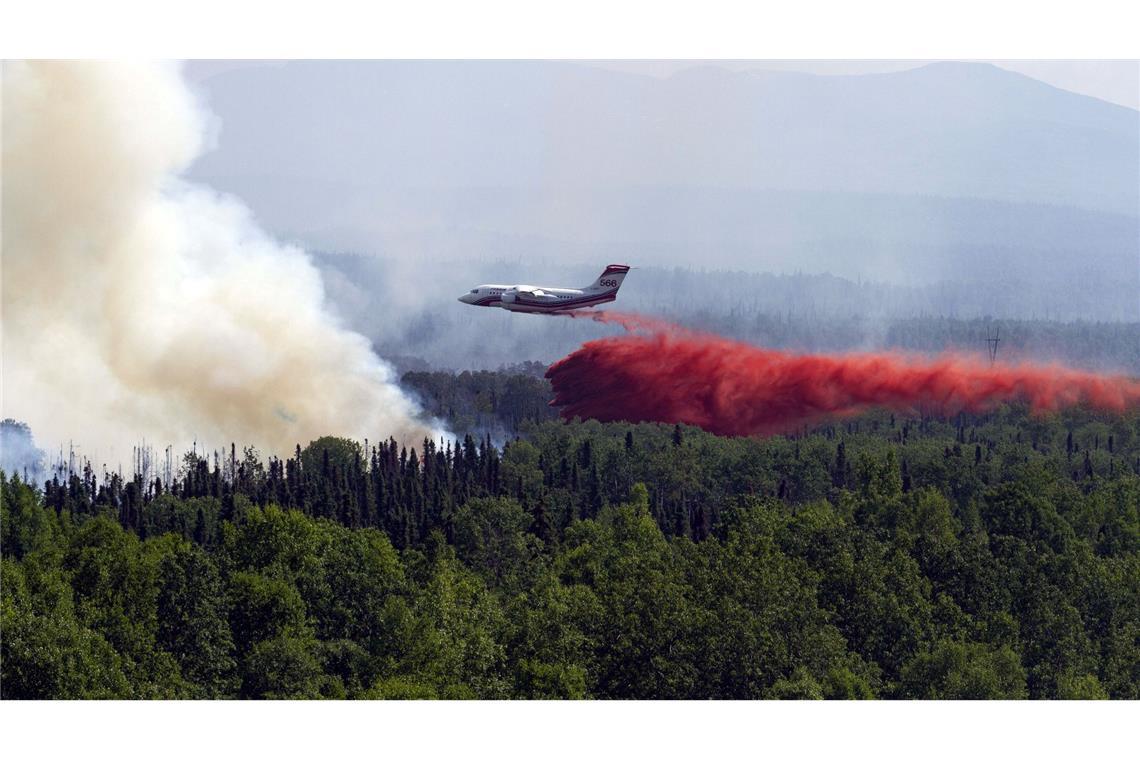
(467, 298)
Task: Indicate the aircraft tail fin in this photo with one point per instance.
(610, 278)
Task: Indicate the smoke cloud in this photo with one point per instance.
(19, 454)
(137, 305)
(660, 373)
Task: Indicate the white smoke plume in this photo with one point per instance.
(138, 306)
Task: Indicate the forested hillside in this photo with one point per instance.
(890, 557)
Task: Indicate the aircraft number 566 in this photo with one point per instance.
(608, 283)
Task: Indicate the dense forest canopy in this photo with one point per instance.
(883, 556)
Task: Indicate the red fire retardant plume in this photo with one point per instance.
(660, 373)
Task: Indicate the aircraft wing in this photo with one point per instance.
(537, 295)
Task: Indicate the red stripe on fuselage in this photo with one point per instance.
(570, 304)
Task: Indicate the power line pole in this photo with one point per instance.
(992, 342)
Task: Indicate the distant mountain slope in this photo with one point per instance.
(949, 129)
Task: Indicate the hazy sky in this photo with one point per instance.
(1114, 81)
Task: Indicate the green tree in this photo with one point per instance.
(552, 654)
(192, 623)
(455, 642)
(262, 608)
(1087, 686)
(286, 668)
(46, 652)
(645, 639)
(964, 670)
(762, 627)
(340, 453)
(492, 535)
(25, 526)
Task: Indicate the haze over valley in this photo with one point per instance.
(953, 190)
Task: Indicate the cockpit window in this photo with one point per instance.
(475, 291)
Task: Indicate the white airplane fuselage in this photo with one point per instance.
(534, 299)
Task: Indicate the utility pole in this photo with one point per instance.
(992, 342)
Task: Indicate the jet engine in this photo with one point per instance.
(509, 295)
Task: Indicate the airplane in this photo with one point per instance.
(532, 299)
